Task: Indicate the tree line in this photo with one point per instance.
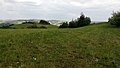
(84, 21)
(79, 22)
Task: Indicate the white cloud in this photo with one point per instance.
(57, 9)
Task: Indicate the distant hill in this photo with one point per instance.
(53, 22)
(56, 22)
(98, 21)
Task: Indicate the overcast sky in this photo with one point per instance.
(97, 10)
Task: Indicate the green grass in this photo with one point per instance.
(94, 46)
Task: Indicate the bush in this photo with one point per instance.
(115, 19)
(44, 22)
(64, 25)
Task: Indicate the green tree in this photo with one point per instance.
(83, 21)
(72, 24)
(87, 21)
(79, 22)
(115, 19)
(64, 25)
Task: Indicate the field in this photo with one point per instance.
(93, 46)
(25, 26)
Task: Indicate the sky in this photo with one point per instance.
(97, 10)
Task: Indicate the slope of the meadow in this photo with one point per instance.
(94, 46)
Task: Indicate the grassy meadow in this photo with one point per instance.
(93, 46)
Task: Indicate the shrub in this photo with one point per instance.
(44, 22)
(64, 25)
(115, 19)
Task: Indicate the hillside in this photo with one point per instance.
(93, 46)
(25, 26)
